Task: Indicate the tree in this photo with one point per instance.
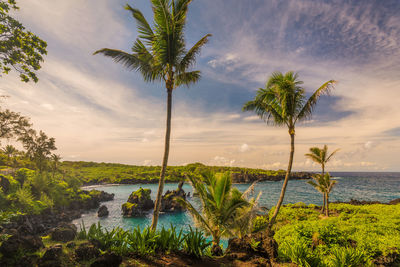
(159, 54)
(20, 49)
(9, 151)
(55, 159)
(38, 148)
(283, 102)
(324, 184)
(13, 124)
(220, 205)
(321, 157)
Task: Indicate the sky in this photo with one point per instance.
(99, 111)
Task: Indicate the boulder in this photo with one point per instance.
(139, 202)
(86, 251)
(103, 211)
(52, 256)
(168, 201)
(107, 260)
(17, 243)
(260, 244)
(64, 232)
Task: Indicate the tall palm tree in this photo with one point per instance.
(159, 54)
(324, 184)
(321, 157)
(283, 102)
(220, 204)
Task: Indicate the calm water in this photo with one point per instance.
(361, 186)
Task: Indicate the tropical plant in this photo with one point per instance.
(159, 54)
(349, 257)
(300, 253)
(321, 157)
(39, 148)
(283, 102)
(55, 161)
(323, 184)
(194, 243)
(220, 205)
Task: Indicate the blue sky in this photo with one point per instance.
(99, 111)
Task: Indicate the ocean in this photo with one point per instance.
(382, 187)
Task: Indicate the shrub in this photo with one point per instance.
(194, 243)
(349, 257)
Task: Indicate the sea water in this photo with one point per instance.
(382, 187)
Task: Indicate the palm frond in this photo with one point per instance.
(187, 78)
(143, 26)
(190, 57)
(309, 106)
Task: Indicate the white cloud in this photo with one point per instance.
(244, 148)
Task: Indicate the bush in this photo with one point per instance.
(194, 243)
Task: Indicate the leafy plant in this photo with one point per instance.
(300, 253)
(349, 257)
(169, 240)
(194, 243)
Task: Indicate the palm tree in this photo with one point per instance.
(159, 54)
(283, 102)
(220, 205)
(10, 151)
(324, 184)
(321, 157)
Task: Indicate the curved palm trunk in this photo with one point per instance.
(327, 205)
(324, 197)
(157, 204)
(285, 182)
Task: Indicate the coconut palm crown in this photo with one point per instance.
(321, 156)
(159, 54)
(283, 102)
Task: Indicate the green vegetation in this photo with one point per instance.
(283, 103)
(160, 54)
(20, 49)
(354, 236)
(97, 173)
(146, 242)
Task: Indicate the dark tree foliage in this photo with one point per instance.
(13, 124)
(20, 49)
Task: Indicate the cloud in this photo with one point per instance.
(244, 148)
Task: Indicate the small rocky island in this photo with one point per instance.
(138, 204)
(169, 202)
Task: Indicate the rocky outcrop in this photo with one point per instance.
(395, 201)
(168, 201)
(51, 256)
(18, 243)
(139, 202)
(251, 247)
(245, 177)
(103, 211)
(107, 260)
(64, 232)
(86, 251)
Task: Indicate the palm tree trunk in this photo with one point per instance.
(327, 205)
(323, 206)
(285, 182)
(157, 204)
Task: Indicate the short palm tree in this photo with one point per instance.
(220, 204)
(321, 157)
(283, 102)
(10, 151)
(159, 54)
(55, 162)
(324, 184)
